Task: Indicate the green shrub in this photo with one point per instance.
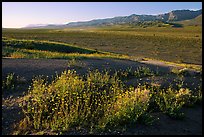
(147, 119)
(196, 97)
(127, 108)
(76, 63)
(143, 71)
(10, 81)
(97, 101)
(70, 101)
(171, 101)
(181, 72)
(139, 72)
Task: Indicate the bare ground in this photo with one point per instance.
(27, 68)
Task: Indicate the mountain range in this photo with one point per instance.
(173, 16)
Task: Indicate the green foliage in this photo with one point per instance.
(44, 46)
(170, 101)
(9, 83)
(139, 72)
(143, 71)
(95, 101)
(181, 72)
(198, 95)
(69, 100)
(98, 101)
(147, 119)
(76, 63)
(43, 49)
(128, 107)
(12, 83)
(195, 98)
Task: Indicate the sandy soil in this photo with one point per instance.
(27, 68)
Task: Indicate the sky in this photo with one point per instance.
(21, 14)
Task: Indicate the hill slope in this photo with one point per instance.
(193, 22)
(176, 15)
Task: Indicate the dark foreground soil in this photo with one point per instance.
(28, 68)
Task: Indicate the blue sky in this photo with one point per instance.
(20, 14)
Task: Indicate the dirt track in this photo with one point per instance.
(192, 124)
(30, 67)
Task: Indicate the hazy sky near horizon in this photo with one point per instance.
(21, 14)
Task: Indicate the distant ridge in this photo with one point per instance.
(176, 15)
(193, 22)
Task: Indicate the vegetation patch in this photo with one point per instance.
(97, 102)
(137, 73)
(171, 101)
(45, 46)
(22, 49)
(9, 82)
